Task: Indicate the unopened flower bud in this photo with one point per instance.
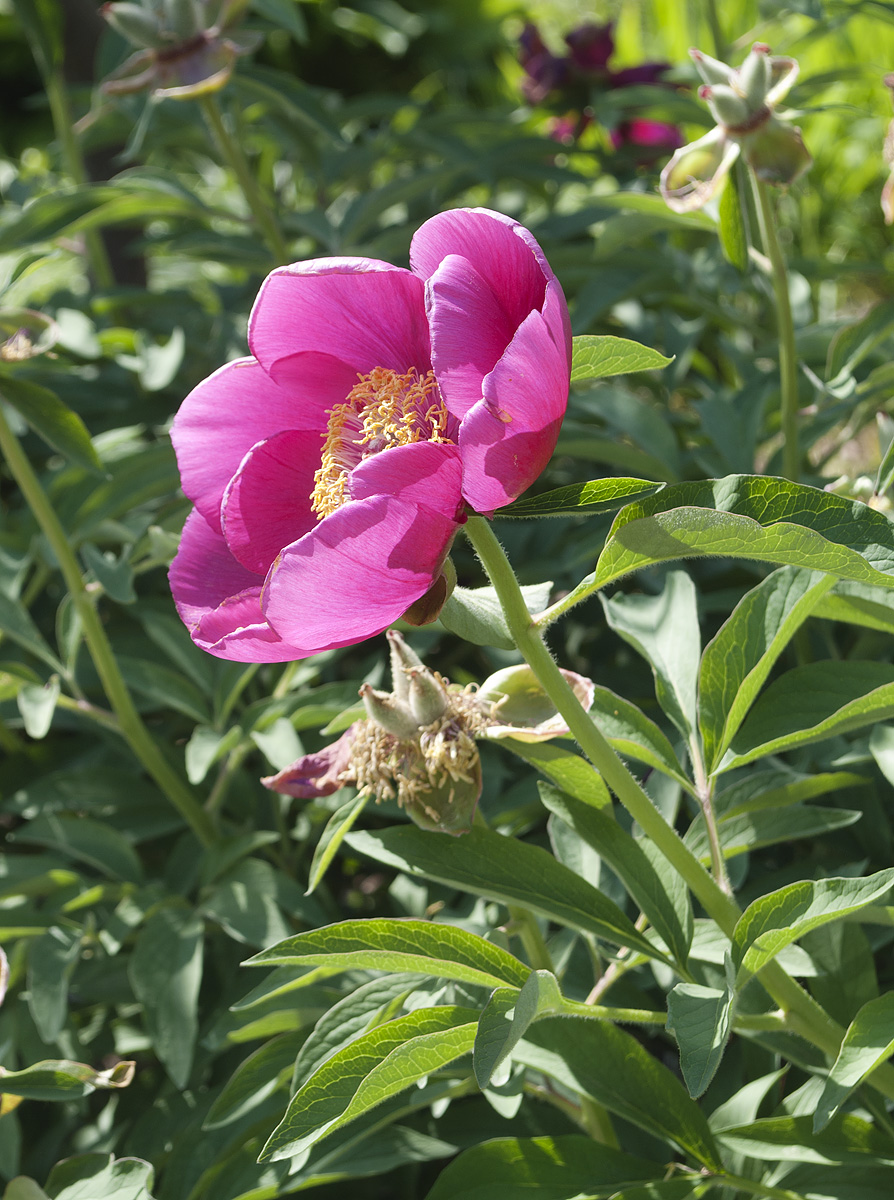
(135, 23)
(727, 107)
(403, 660)
(754, 76)
(390, 713)
(428, 699)
(710, 69)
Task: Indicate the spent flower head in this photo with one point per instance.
(182, 48)
(417, 744)
(743, 102)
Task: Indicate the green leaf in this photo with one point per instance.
(244, 903)
(164, 687)
(858, 604)
(54, 1079)
(752, 517)
(86, 840)
(733, 238)
(475, 614)
(23, 1188)
(37, 704)
(506, 1018)
(604, 1062)
(664, 630)
(777, 789)
(671, 915)
(16, 623)
(54, 421)
(51, 961)
(598, 357)
(100, 1177)
(847, 1139)
(869, 1041)
(337, 827)
(165, 971)
(205, 747)
(810, 703)
(502, 868)
(700, 1018)
(851, 345)
(114, 575)
(444, 951)
(543, 1168)
(564, 767)
(633, 734)
(776, 920)
(582, 499)
(254, 1080)
(751, 830)
(737, 662)
(372, 1068)
(355, 1014)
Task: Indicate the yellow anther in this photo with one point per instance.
(382, 410)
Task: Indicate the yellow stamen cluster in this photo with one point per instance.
(382, 410)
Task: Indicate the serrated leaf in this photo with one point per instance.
(868, 1042)
(670, 915)
(475, 614)
(600, 1060)
(444, 951)
(776, 920)
(738, 660)
(810, 703)
(664, 630)
(598, 357)
(753, 517)
(165, 970)
(506, 1018)
(502, 868)
(581, 499)
(372, 1068)
(60, 428)
(544, 1168)
(700, 1018)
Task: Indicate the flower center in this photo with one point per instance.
(382, 410)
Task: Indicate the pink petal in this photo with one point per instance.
(219, 601)
(239, 405)
(317, 774)
(504, 252)
(508, 438)
(366, 313)
(267, 503)
(428, 473)
(470, 329)
(356, 572)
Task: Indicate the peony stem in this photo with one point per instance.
(803, 1015)
(130, 723)
(234, 156)
(788, 359)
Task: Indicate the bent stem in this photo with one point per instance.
(788, 360)
(803, 1015)
(232, 153)
(129, 722)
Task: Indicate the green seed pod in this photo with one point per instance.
(727, 107)
(754, 76)
(712, 70)
(428, 700)
(403, 660)
(390, 713)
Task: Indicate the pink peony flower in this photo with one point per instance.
(331, 471)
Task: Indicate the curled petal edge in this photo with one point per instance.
(684, 186)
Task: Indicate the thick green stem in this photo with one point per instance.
(788, 359)
(704, 789)
(100, 267)
(233, 155)
(804, 1015)
(130, 724)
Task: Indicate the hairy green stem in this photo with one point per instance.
(704, 790)
(234, 156)
(788, 359)
(130, 723)
(804, 1016)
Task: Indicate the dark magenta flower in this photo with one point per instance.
(591, 46)
(331, 471)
